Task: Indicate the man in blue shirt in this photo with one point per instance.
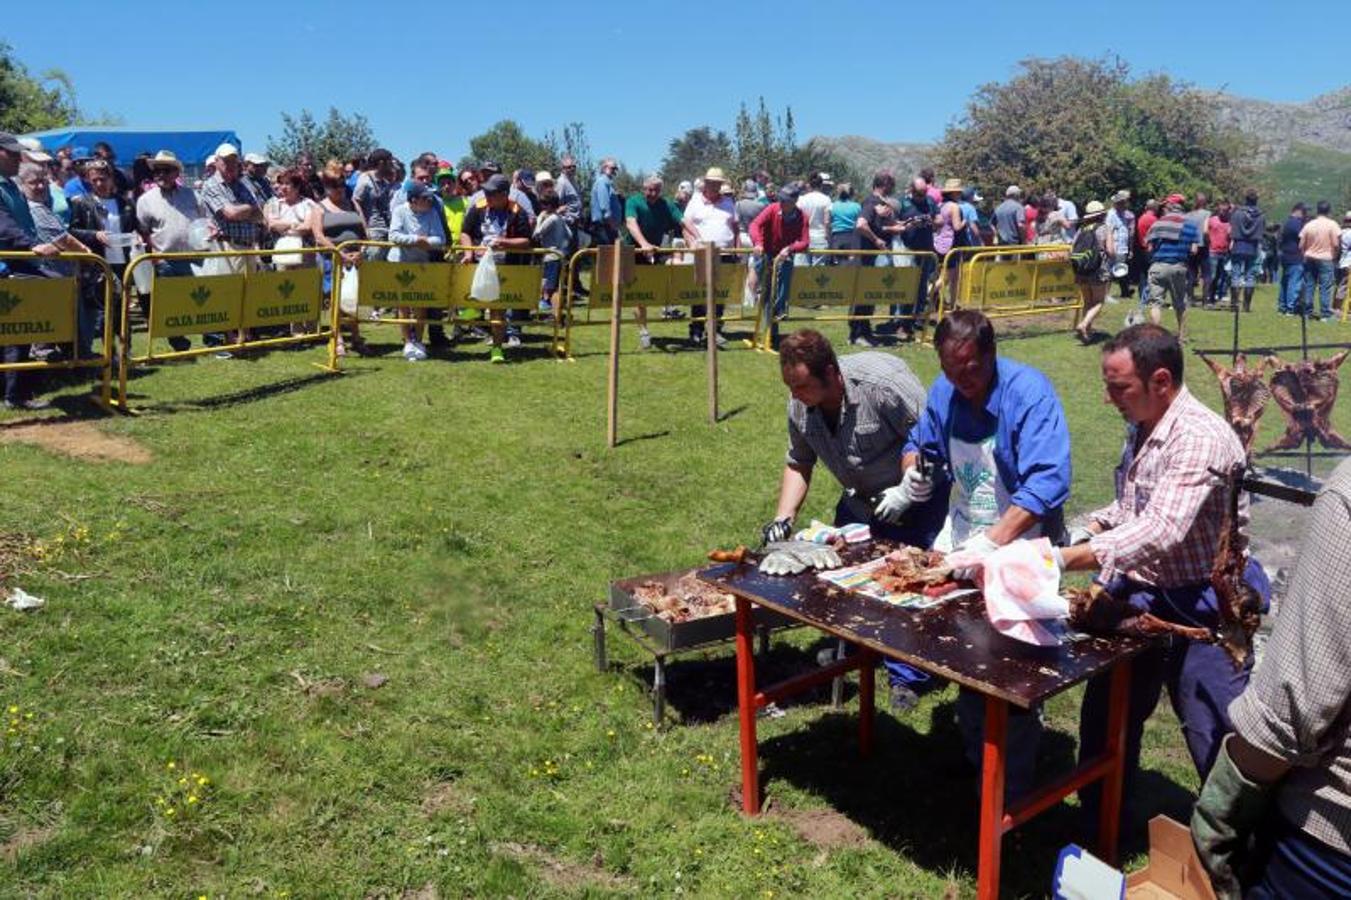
(995, 433)
(606, 210)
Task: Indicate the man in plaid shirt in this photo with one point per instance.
(1156, 545)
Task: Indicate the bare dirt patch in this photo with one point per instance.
(446, 796)
(561, 873)
(78, 440)
(24, 839)
(824, 828)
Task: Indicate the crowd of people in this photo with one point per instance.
(1172, 250)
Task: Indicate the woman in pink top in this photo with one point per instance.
(1218, 239)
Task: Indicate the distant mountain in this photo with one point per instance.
(866, 155)
(1324, 121)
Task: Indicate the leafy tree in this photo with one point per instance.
(337, 137)
(573, 142)
(511, 148)
(33, 104)
(693, 153)
(769, 143)
(1086, 129)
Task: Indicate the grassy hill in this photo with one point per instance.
(1311, 173)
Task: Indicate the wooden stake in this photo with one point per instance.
(710, 263)
(616, 315)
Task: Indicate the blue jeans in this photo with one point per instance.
(785, 272)
(1289, 299)
(1320, 274)
(1243, 272)
(182, 268)
(1219, 278)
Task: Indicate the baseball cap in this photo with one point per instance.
(33, 150)
(1175, 199)
(418, 191)
(790, 192)
(11, 143)
(685, 186)
(496, 184)
(445, 172)
(80, 154)
(226, 149)
(543, 178)
(489, 165)
(528, 179)
(257, 159)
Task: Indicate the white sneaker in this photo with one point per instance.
(512, 342)
(720, 341)
(861, 341)
(413, 351)
(644, 340)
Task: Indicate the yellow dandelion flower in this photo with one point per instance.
(13, 710)
(171, 765)
(192, 798)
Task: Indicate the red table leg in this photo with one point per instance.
(745, 694)
(992, 798)
(1118, 708)
(866, 701)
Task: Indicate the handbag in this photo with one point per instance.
(347, 297)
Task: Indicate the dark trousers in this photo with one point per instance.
(18, 385)
(1200, 678)
(1301, 866)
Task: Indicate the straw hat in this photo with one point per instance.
(714, 174)
(165, 158)
(952, 186)
(1094, 209)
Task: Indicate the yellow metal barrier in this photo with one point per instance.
(228, 303)
(443, 285)
(670, 282)
(47, 311)
(849, 286)
(1011, 281)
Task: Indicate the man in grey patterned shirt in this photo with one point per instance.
(1291, 746)
(853, 414)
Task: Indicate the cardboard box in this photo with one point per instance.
(1174, 871)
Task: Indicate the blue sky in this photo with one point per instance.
(845, 67)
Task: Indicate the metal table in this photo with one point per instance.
(956, 641)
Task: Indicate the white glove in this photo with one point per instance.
(792, 557)
(972, 550)
(914, 488)
(1079, 534)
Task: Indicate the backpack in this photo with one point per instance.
(1085, 257)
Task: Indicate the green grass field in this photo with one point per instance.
(332, 640)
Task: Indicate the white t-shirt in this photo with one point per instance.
(1345, 262)
(712, 221)
(816, 207)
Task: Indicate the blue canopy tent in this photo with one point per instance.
(191, 147)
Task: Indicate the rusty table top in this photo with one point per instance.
(954, 639)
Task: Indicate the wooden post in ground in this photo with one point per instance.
(707, 272)
(614, 264)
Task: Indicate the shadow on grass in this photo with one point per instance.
(733, 413)
(651, 436)
(917, 795)
(239, 398)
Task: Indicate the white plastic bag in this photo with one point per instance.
(347, 298)
(485, 287)
(289, 260)
(1022, 586)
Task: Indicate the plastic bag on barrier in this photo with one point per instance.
(212, 265)
(485, 287)
(347, 299)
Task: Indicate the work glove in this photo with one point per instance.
(969, 556)
(1079, 534)
(1226, 814)
(778, 530)
(914, 488)
(792, 557)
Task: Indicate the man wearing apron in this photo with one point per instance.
(854, 414)
(996, 431)
(1156, 545)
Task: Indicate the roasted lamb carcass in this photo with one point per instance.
(1306, 391)
(1098, 610)
(1245, 396)
(1240, 606)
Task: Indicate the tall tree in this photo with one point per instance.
(33, 104)
(511, 148)
(573, 142)
(337, 137)
(693, 153)
(1085, 128)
